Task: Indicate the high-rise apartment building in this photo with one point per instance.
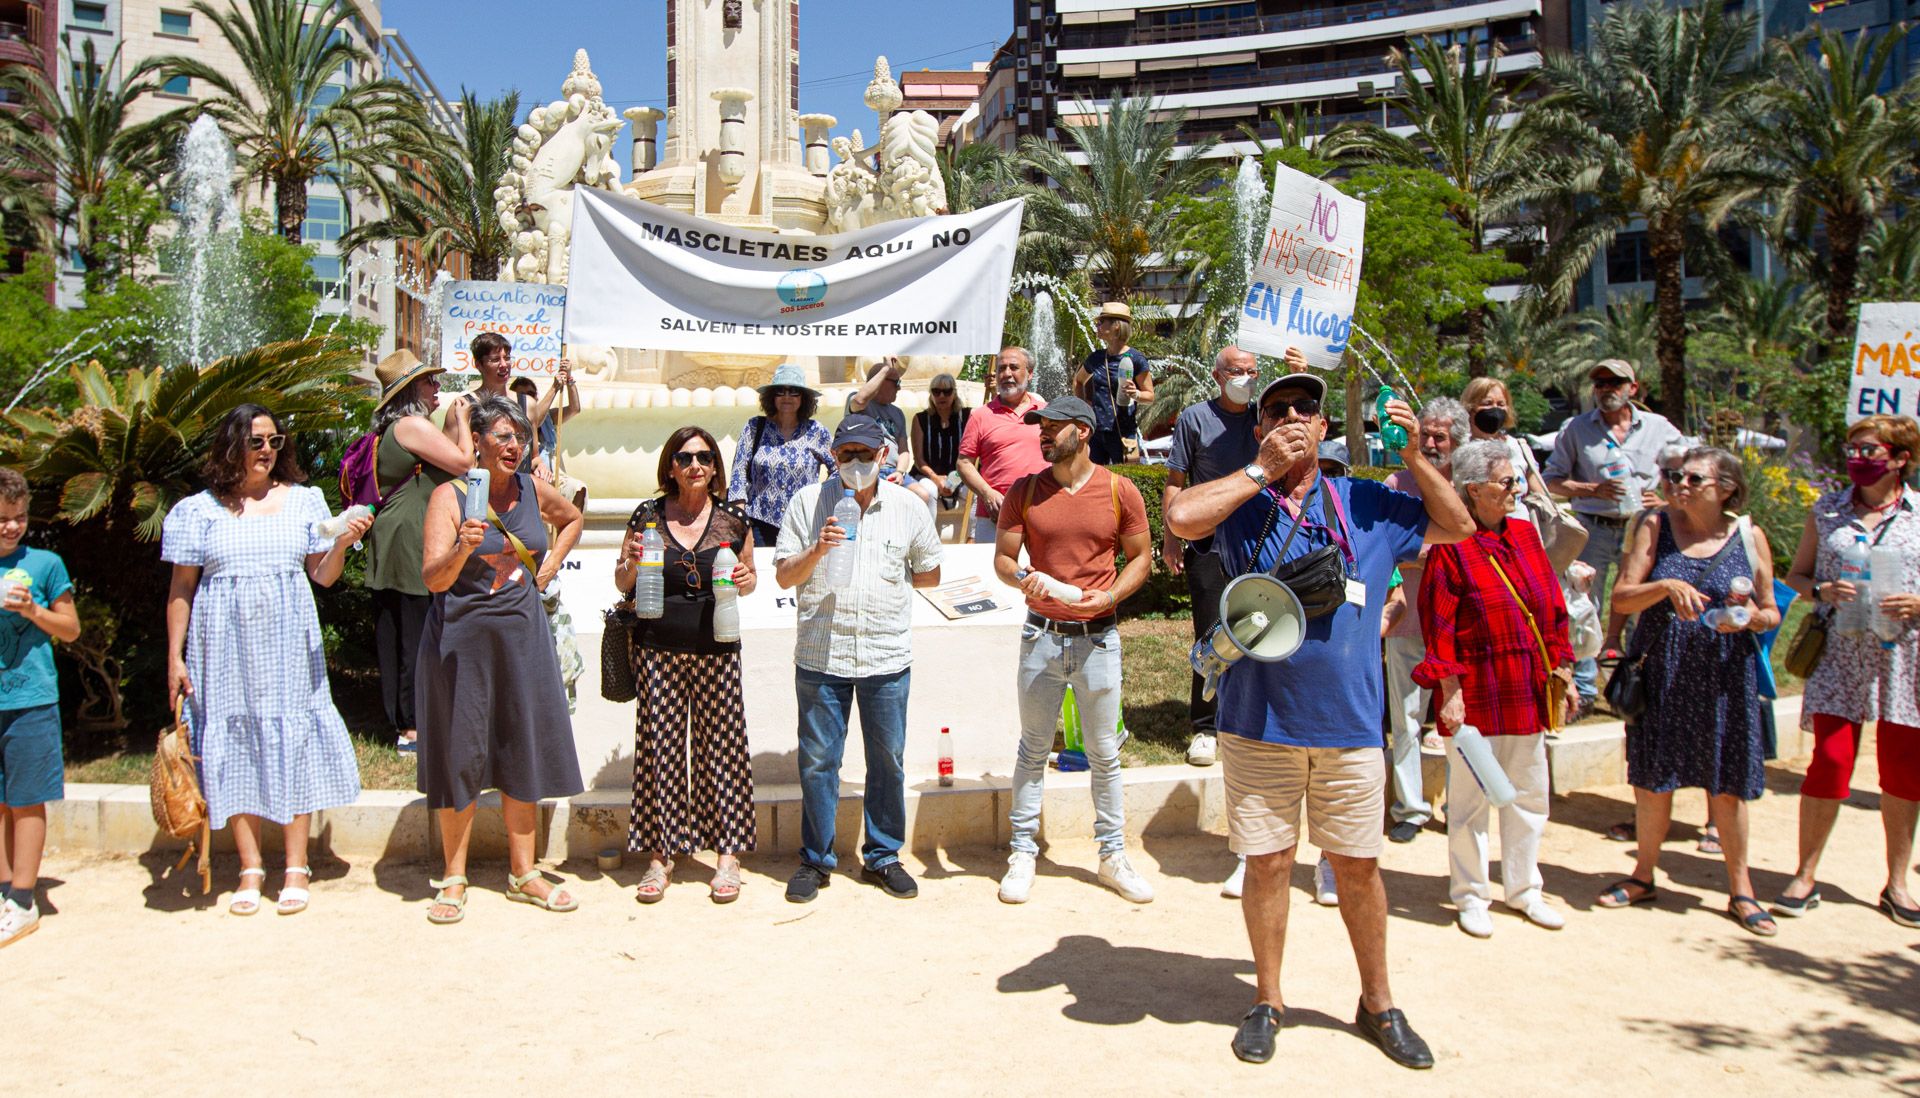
(28, 31)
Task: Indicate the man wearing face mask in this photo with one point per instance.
(1210, 439)
(999, 446)
(854, 645)
(1614, 432)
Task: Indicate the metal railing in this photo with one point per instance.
(1204, 79)
(1341, 15)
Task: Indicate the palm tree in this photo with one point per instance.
(449, 208)
(80, 145)
(976, 175)
(1762, 316)
(1647, 128)
(1118, 207)
(1459, 108)
(293, 120)
(1838, 153)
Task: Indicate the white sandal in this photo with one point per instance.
(547, 902)
(441, 899)
(246, 901)
(294, 900)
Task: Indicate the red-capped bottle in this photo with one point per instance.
(946, 757)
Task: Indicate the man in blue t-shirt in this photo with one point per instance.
(36, 608)
(1307, 729)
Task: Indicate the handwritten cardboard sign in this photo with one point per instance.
(529, 314)
(1886, 361)
(1306, 272)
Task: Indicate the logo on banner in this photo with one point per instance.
(802, 289)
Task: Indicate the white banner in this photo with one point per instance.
(647, 277)
(1303, 282)
(528, 314)
(1886, 361)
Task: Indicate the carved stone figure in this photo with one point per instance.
(908, 182)
(565, 144)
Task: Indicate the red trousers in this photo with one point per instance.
(1836, 743)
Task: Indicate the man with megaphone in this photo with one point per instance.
(1306, 729)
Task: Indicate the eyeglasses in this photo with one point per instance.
(1609, 382)
(1691, 480)
(1864, 450)
(1506, 484)
(941, 392)
(266, 442)
(1241, 373)
(1278, 409)
(498, 438)
(692, 564)
(686, 459)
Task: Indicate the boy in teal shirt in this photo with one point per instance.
(36, 608)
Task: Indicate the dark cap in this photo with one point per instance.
(1066, 408)
(859, 430)
(1315, 386)
(1335, 451)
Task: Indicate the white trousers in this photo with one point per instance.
(1406, 709)
(1524, 758)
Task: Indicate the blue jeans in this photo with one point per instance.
(1049, 663)
(1602, 551)
(825, 702)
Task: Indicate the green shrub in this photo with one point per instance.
(1164, 593)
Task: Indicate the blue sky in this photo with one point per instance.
(494, 45)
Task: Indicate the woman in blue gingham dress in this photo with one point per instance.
(271, 743)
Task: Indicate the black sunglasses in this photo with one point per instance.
(786, 393)
(266, 442)
(1609, 382)
(940, 392)
(1691, 480)
(1278, 409)
(686, 458)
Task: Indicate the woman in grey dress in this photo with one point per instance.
(488, 693)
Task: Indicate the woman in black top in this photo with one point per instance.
(936, 436)
(692, 774)
(1114, 379)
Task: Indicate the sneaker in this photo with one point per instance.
(1202, 750)
(1118, 874)
(1018, 882)
(893, 879)
(1544, 915)
(1236, 881)
(406, 746)
(806, 883)
(1326, 892)
(1403, 831)
(1475, 921)
(17, 922)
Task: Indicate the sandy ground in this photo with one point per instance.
(133, 983)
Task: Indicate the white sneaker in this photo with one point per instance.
(1475, 921)
(1118, 874)
(1542, 914)
(1202, 750)
(1325, 891)
(1236, 881)
(1018, 883)
(16, 922)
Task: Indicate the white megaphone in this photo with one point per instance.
(1260, 617)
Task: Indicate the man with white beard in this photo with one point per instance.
(1613, 431)
(999, 446)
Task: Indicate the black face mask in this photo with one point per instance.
(1490, 421)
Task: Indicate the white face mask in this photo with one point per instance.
(1238, 389)
(859, 475)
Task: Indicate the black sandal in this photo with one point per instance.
(1759, 922)
(1622, 832)
(1615, 895)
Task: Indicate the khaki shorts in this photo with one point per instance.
(1344, 789)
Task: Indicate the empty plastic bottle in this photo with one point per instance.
(1887, 571)
(1736, 614)
(1618, 468)
(650, 587)
(1061, 592)
(337, 525)
(1856, 567)
(840, 559)
(1739, 591)
(1478, 755)
(1392, 435)
(726, 596)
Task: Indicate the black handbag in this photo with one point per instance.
(1319, 579)
(1627, 689)
(617, 680)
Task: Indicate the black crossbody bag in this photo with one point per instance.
(1319, 579)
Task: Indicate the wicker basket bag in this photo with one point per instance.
(179, 808)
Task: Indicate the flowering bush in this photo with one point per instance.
(1780, 492)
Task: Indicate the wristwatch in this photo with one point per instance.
(1256, 473)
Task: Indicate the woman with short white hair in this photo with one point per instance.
(1495, 625)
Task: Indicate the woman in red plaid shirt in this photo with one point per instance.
(1495, 624)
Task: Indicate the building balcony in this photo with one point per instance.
(1338, 23)
(1276, 77)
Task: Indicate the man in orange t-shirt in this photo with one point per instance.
(1072, 518)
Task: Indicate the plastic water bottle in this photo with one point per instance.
(946, 757)
(1856, 567)
(333, 527)
(1392, 435)
(840, 559)
(1887, 572)
(1739, 591)
(726, 596)
(1061, 592)
(1736, 615)
(1478, 755)
(650, 588)
(1618, 468)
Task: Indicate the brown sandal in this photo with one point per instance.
(726, 884)
(653, 884)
